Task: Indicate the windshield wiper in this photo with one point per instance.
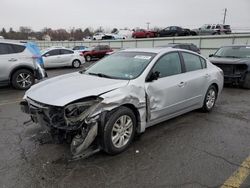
(100, 75)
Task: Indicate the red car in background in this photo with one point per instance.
(97, 52)
(141, 33)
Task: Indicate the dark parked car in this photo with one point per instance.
(97, 52)
(235, 63)
(141, 33)
(173, 31)
(186, 46)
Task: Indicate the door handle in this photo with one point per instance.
(12, 60)
(181, 84)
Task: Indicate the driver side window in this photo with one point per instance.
(168, 65)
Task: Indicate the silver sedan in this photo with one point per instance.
(122, 95)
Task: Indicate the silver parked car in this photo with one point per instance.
(61, 57)
(122, 95)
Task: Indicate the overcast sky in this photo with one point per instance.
(67, 14)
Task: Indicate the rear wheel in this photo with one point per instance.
(22, 79)
(210, 99)
(119, 131)
(76, 64)
(246, 83)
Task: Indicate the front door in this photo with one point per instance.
(52, 58)
(167, 94)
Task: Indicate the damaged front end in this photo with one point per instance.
(75, 123)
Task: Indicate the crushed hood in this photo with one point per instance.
(64, 89)
(221, 60)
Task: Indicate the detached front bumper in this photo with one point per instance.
(82, 135)
(40, 73)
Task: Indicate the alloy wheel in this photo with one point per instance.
(122, 131)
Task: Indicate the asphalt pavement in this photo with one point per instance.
(193, 150)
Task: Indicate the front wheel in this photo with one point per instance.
(210, 99)
(22, 79)
(88, 58)
(119, 131)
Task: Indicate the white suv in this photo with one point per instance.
(213, 29)
(20, 65)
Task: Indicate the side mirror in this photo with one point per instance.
(199, 28)
(211, 55)
(46, 55)
(153, 76)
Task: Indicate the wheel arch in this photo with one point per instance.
(135, 111)
(129, 106)
(76, 60)
(215, 85)
(19, 68)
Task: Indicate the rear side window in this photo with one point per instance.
(192, 62)
(11, 48)
(53, 52)
(17, 48)
(168, 65)
(203, 63)
(66, 51)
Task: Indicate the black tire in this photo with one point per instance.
(107, 143)
(246, 83)
(22, 79)
(88, 58)
(76, 63)
(206, 107)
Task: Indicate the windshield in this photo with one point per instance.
(122, 65)
(234, 52)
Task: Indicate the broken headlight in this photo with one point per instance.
(78, 111)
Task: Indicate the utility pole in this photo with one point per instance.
(225, 15)
(148, 25)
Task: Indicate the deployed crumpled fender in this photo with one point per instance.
(130, 95)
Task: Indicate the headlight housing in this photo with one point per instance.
(78, 111)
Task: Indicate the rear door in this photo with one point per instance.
(66, 56)
(167, 94)
(196, 78)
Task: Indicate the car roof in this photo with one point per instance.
(55, 48)
(11, 42)
(237, 45)
(174, 44)
(150, 50)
